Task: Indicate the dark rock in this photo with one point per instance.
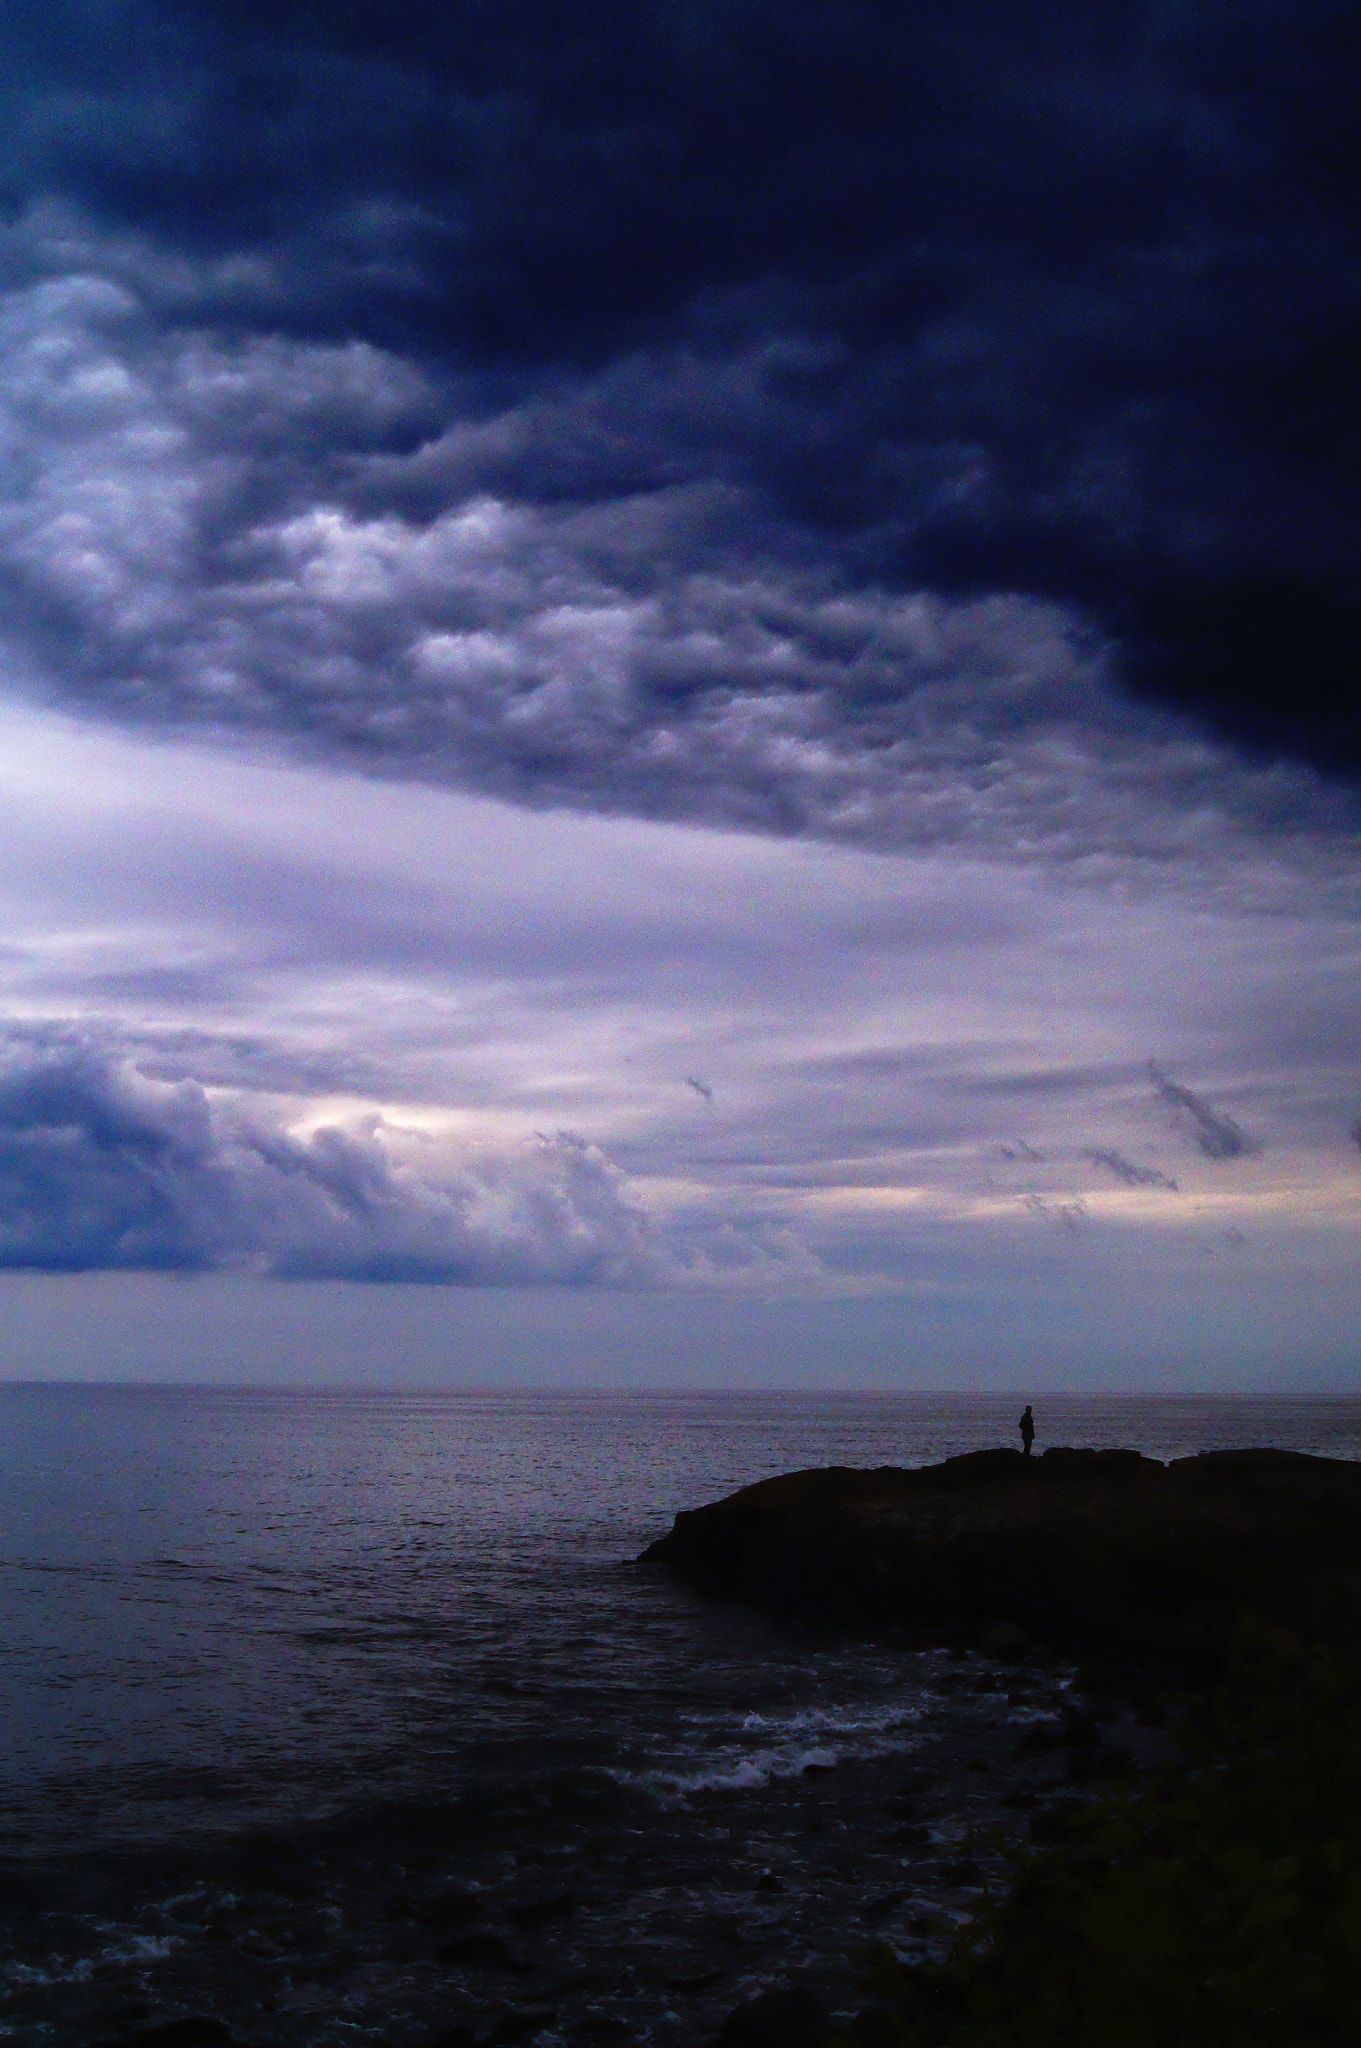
(261, 1947)
(447, 1907)
(880, 1908)
(194, 2030)
(768, 1882)
(695, 1981)
(725, 1927)
(1094, 1766)
(1104, 1553)
(520, 2022)
(688, 1973)
(1039, 1736)
(1081, 1729)
(479, 1945)
(875, 2028)
(540, 1910)
(124, 2013)
(1055, 1823)
(779, 2019)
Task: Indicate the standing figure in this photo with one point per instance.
(1027, 1429)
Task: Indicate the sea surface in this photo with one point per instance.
(343, 1717)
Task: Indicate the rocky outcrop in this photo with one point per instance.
(1094, 1552)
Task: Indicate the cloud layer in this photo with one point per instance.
(774, 587)
(102, 1168)
(824, 420)
(286, 1021)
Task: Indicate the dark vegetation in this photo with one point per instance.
(1219, 1907)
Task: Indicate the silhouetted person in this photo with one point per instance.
(1027, 1429)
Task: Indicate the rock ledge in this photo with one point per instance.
(1092, 1552)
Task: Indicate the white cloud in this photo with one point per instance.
(101, 1167)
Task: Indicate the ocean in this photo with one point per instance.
(345, 1717)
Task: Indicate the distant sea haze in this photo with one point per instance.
(318, 1619)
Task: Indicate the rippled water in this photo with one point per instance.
(272, 1660)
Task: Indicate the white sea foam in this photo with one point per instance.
(763, 1748)
(729, 1773)
(845, 1720)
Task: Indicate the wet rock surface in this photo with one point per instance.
(1096, 1554)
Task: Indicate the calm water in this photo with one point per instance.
(386, 1634)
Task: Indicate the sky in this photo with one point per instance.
(678, 694)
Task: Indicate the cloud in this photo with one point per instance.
(873, 1027)
(1069, 1215)
(1213, 1133)
(181, 553)
(827, 424)
(102, 1168)
(1127, 1171)
(195, 539)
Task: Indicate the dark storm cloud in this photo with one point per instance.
(1069, 1215)
(101, 1167)
(757, 325)
(1212, 1133)
(1128, 1171)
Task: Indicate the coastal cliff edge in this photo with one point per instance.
(1094, 1553)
